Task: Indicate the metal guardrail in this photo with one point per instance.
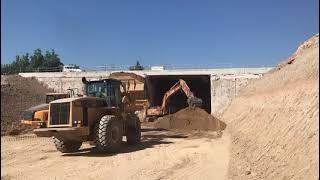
(113, 67)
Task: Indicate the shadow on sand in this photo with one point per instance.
(149, 139)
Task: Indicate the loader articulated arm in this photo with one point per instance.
(181, 84)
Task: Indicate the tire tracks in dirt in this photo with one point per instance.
(159, 156)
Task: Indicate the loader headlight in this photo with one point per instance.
(77, 123)
(39, 125)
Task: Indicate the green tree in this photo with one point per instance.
(52, 59)
(37, 59)
(25, 63)
(16, 64)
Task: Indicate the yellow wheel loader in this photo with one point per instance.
(102, 117)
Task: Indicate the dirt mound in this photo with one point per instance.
(274, 121)
(190, 119)
(18, 94)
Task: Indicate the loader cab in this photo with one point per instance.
(108, 89)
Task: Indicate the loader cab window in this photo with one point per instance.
(95, 89)
(108, 90)
(49, 98)
(113, 94)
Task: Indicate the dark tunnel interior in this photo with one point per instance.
(157, 85)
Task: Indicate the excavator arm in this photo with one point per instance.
(180, 85)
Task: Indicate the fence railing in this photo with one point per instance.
(53, 69)
(114, 67)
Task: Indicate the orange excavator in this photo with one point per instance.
(162, 110)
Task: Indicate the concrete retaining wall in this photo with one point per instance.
(224, 88)
(61, 81)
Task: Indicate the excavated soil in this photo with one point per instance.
(18, 94)
(190, 119)
(274, 122)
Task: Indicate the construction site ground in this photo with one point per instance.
(161, 155)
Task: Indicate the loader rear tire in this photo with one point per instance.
(66, 146)
(134, 132)
(109, 134)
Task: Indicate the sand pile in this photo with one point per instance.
(18, 94)
(190, 119)
(274, 121)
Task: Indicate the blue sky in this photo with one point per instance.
(177, 32)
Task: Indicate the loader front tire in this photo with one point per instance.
(66, 146)
(109, 134)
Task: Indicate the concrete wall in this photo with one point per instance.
(225, 87)
(61, 81)
(225, 83)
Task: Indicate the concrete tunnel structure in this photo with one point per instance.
(216, 87)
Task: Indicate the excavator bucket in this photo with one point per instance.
(194, 102)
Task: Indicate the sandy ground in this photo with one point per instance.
(161, 155)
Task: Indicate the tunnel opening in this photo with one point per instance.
(157, 85)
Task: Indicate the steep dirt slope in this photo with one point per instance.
(275, 121)
(18, 94)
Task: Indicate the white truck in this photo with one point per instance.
(157, 68)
